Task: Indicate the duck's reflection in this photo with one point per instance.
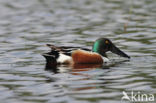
(73, 68)
(55, 68)
(77, 70)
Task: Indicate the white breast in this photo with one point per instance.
(105, 60)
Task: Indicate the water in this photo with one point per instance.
(27, 25)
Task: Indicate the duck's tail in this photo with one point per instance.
(51, 56)
(53, 47)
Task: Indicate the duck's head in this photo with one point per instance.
(104, 45)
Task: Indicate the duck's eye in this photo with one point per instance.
(107, 42)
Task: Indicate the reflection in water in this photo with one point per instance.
(57, 68)
(82, 80)
(74, 68)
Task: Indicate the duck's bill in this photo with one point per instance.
(117, 51)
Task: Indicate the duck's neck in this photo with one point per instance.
(97, 49)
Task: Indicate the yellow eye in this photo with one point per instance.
(107, 42)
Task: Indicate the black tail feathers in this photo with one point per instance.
(51, 56)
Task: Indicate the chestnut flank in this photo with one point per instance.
(83, 57)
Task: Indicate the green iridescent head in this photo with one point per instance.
(103, 45)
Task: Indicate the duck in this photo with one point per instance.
(79, 55)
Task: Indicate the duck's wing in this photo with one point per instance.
(67, 50)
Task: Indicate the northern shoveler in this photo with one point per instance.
(77, 55)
